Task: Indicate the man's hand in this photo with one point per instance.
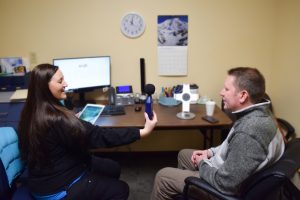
(199, 155)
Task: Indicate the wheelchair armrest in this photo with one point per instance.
(198, 183)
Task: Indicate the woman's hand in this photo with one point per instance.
(149, 125)
(78, 114)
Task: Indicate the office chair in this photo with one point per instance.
(287, 129)
(11, 167)
(271, 183)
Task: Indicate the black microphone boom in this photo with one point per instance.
(149, 89)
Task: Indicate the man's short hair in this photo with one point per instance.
(251, 80)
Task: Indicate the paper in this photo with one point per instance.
(19, 95)
(172, 61)
(172, 43)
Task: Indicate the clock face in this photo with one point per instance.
(132, 25)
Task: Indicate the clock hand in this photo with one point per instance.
(131, 21)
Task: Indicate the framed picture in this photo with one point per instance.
(172, 30)
(12, 65)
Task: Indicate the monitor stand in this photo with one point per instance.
(77, 105)
(83, 101)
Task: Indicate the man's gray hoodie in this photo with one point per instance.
(254, 142)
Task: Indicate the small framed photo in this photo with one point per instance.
(12, 65)
(91, 112)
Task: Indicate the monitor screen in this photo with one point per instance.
(85, 73)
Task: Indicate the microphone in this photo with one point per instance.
(149, 90)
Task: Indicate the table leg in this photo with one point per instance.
(208, 137)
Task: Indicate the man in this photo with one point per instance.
(254, 141)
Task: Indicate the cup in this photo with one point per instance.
(155, 97)
(210, 107)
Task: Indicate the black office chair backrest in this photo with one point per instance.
(268, 183)
(286, 127)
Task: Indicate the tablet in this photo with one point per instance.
(91, 112)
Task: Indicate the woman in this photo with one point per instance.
(55, 144)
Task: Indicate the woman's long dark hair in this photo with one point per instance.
(41, 112)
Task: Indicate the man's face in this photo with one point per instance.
(230, 95)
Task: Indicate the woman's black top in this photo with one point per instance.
(67, 160)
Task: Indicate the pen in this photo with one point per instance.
(166, 92)
(162, 91)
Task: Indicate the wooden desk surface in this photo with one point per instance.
(166, 118)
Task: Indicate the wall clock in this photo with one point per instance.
(132, 25)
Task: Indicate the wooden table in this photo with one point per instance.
(167, 120)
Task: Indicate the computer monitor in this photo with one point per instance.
(84, 74)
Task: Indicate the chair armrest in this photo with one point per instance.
(290, 130)
(195, 182)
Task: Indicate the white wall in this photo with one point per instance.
(285, 80)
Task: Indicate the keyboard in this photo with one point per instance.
(113, 110)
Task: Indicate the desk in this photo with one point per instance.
(167, 120)
(10, 114)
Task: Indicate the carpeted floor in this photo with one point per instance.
(139, 169)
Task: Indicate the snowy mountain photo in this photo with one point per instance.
(172, 30)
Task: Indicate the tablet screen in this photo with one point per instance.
(91, 112)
